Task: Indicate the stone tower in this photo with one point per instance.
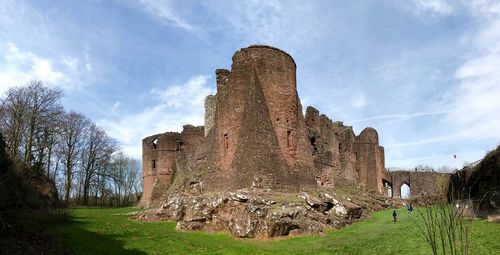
(259, 129)
(159, 153)
(370, 161)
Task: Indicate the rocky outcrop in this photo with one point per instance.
(250, 213)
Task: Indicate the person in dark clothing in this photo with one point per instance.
(395, 215)
(410, 208)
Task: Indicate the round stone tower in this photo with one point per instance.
(159, 153)
(259, 124)
(274, 72)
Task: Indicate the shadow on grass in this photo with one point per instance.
(82, 241)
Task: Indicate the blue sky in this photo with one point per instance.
(424, 73)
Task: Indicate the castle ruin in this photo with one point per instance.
(255, 135)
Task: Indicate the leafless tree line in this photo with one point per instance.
(84, 162)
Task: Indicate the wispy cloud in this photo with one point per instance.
(476, 100)
(401, 116)
(174, 106)
(425, 141)
(463, 157)
(359, 101)
(430, 7)
(288, 25)
(164, 11)
(470, 99)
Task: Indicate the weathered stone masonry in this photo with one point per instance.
(420, 183)
(256, 135)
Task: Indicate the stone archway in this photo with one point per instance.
(405, 190)
(387, 188)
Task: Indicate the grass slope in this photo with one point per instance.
(109, 231)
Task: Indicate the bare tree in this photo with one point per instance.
(124, 172)
(96, 155)
(71, 149)
(13, 114)
(27, 115)
(43, 106)
(71, 146)
(444, 224)
(424, 168)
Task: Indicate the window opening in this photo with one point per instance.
(155, 143)
(226, 141)
(177, 144)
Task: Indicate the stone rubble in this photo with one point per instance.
(249, 214)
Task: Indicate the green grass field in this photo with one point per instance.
(109, 231)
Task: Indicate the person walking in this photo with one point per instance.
(410, 208)
(395, 215)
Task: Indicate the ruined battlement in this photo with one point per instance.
(368, 135)
(222, 78)
(258, 47)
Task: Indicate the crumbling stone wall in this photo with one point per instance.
(370, 159)
(333, 149)
(256, 135)
(347, 156)
(210, 108)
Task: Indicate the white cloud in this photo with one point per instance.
(193, 93)
(359, 101)
(289, 25)
(434, 7)
(18, 67)
(473, 101)
(425, 141)
(476, 101)
(163, 10)
(400, 116)
(115, 106)
(175, 106)
(392, 70)
(71, 63)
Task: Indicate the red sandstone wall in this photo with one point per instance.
(210, 108)
(259, 120)
(229, 110)
(347, 157)
(421, 183)
(158, 178)
(274, 70)
(335, 158)
(370, 160)
(312, 118)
